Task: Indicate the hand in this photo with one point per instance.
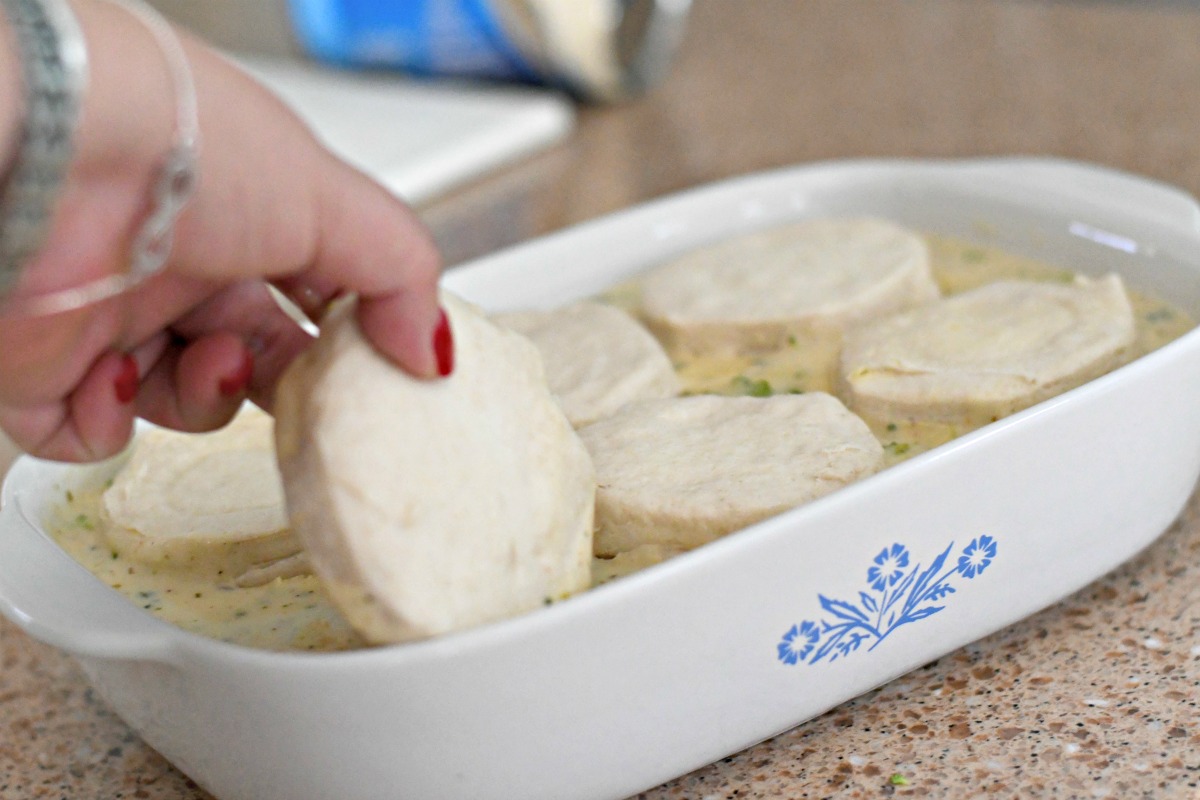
(186, 347)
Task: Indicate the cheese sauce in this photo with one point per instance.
(294, 614)
(283, 614)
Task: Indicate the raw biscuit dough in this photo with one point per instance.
(981, 355)
(213, 499)
(806, 279)
(597, 358)
(683, 472)
(427, 506)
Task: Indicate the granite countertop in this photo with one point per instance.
(1094, 697)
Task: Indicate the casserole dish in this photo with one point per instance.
(645, 678)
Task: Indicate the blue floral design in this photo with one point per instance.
(895, 597)
(889, 567)
(798, 642)
(976, 556)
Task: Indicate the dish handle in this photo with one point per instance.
(56, 600)
(1090, 184)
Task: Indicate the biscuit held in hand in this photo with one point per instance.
(430, 506)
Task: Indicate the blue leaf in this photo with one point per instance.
(824, 650)
(841, 629)
(904, 585)
(921, 613)
(841, 609)
(938, 592)
(837, 633)
(868, 602)
(927, 576)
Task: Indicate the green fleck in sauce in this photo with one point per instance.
(753, 387)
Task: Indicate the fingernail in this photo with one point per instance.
(443, 345)
(236, 383)
(126, 383)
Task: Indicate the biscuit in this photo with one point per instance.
(756, 292)
(685, 471)
(427, 506)
(213, 500)
(597, 358)
(986, 353)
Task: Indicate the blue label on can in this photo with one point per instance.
(427, 37)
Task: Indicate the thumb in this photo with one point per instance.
(370, 243)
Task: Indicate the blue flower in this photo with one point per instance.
(976, 556)
(889, 567)
(798, 642)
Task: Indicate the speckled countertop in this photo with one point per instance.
(1094, 697)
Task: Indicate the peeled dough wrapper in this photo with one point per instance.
(597, 358)
(805, 279)
(683, 472)
(986, 353)
(214, 499)
(427, 506)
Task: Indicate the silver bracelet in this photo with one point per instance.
(176, 179)
(53, 58)
(174, 183)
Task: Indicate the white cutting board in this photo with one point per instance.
(418, 138)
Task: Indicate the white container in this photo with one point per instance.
(651, 676)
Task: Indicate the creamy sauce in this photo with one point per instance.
(294, 614)
(291, 614)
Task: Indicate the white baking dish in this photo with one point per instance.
(646, 678)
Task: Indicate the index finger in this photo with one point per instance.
(273, 203)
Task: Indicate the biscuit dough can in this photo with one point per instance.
(600, 50)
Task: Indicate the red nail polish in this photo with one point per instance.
(236, 383)
(126, 383)
(443, 345)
